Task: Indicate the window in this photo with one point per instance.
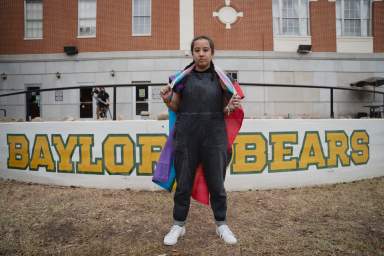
(232, 74)
(59, 95)
(290, 17)
(141, 17)
(353, 17)
(87, 18)
(141, 96)
(33, 19)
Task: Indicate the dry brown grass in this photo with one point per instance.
(342, 219)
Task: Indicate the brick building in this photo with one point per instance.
(55, 43)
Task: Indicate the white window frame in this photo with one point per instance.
(340, 26)
(277, 28)
(33, 20)
(87, 18)
(133, 20)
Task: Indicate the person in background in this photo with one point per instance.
(102, 98)
(200, 136)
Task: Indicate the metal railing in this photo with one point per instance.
(330, 88)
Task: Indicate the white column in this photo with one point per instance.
(186, 24)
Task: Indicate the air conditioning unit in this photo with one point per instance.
(71, 50)
(304, 48)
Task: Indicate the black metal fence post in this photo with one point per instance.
(114, 102)
(332, 114)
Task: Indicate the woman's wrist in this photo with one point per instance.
(168, 99)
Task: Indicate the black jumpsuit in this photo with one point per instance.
(200, 137)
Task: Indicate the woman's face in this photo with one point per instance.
(202, 54)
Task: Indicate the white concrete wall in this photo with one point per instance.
(324, 69)
(255, 165)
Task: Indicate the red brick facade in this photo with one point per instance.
(113, 27)
(378, 26)
(323, 26)
(254, 31)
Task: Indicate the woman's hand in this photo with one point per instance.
(171, 99)
(166, 93)
(235, 102)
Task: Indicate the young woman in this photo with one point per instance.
(200, 103)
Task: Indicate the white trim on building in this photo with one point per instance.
(354, 44)
(289, 43)
(186, 24)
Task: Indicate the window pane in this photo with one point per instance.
(291, 26)
(141, 17)
(303, 27)
(364, 28)
(39, 10)
(87, 17)
(275, 8)
(142, 8)
(141, 25)
(352, 9)
(295, 8)
(338, 27)
(87, 9)
(147, 8)
(87, 27)
(352, 27)
(135, 25)
(33, 19)
(338, 9)
(276, 26)
(34, 10)
(39, 30)
(304, 9)
(285, 8)
(28, 33)
(366, 10)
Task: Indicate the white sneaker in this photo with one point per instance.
(226, 234)
(174, 234)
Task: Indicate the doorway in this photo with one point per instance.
(86, 110)
(32, 103)
(141, 99)
(141, 92)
